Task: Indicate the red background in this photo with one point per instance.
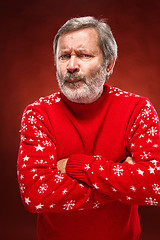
(27, 73)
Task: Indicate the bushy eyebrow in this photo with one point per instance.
(79, 51)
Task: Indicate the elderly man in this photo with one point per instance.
(89, 154)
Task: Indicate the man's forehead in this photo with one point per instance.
(85, 29)
(82, 39)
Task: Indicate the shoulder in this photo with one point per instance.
(128, 103)
(48, 100)
(43, 106)
(45, 102)
(117, 92)
(123, 97)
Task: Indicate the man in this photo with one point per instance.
(89, 154)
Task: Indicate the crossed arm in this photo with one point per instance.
(45, 187)
(137, 179)
(61, 164)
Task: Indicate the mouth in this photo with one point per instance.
(72, 80)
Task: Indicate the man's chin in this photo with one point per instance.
(75, 94)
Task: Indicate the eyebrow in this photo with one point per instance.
(80, 50)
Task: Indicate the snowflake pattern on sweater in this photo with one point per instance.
(43, 188)
(137, 183)
(91, 181)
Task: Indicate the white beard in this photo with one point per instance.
(86, 90)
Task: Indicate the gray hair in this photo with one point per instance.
(106, 40)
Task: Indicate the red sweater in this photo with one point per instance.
(98, 198)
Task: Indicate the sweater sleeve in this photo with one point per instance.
(43, 188)
(137, 183)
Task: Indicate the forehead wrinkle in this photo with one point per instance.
(79, 50)
(66, 43)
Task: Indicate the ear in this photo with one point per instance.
(110, 66)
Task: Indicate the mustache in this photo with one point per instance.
(75, 76)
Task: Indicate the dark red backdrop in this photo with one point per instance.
(27, 73)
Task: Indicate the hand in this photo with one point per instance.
(129, 160)
(61, 165)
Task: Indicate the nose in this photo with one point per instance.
(72, 65)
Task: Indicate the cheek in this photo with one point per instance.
(60, 69)
(89, 70)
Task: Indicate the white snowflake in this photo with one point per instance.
(24, 127)
(41, 177)
(52, 157)
(141, 121)
(58, 178)
(36, 103)
(47, 143)
(145, 125)
(149, 140)
(40, 117)
(52, 205)
(96, 205)
(23, 138)
(101, 168)
(34, 169)
(22, 188)
(98, 157)
(39, 134)
(133, 188)
(141, 136)
(64, 191)
(128, 198)
(88, 199)
(41, 161)
(145, 155)
(81, 185)
(146, 112)
(28, 111)
(151, 202)
(157, 167)
(22, 177)
(152, 131)
(32, 120)
(69, 205)
(24, 165)
(132, 145)
(95, 185)
(155, 119)
(118, 170)
(57, 99)
(87, 167)
(155, 145)
(113, 189)
(148, 104)
(43, 188)
(154, 162)
(156, 188)
(47, 101)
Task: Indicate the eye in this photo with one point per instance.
(64, 57)
(87, 55)
(84, 55)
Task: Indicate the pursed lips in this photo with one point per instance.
(72, 80)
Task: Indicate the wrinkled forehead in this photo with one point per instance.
(80, 39)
